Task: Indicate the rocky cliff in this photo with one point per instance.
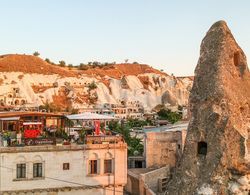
(216, 158)
(27, 80)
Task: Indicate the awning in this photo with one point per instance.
(10, 119)
(89, 116)
(32, 123)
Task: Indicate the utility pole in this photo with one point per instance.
(114, 165)
(0, 173)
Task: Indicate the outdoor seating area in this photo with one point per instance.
(40, 128)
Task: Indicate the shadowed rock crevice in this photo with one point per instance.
(216, 154)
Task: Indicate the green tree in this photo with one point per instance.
(167, 114)
(134, 143)
(136, 123)
(36, 53)
(48, 60)
(62, 63)
(70, 66)
(92, 86)
(83, 67)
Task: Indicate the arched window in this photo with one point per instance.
(16, 102)
(94, 164)
(20, 166)
(108, 163)
(22, 102)
(202, 148)
(38, 167)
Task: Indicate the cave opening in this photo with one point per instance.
(202, 148)
(236, 58)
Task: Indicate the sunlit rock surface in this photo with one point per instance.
(216, 155)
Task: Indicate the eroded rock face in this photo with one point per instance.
(217, 151)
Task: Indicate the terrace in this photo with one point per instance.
(19, 129)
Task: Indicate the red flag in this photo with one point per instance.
(97, 127)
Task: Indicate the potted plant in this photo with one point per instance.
(6, 139)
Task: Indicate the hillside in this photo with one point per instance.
(27, 80)
(30, 64)
(119, 70)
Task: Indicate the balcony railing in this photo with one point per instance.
(107, 139)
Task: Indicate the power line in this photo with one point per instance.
(65, 181)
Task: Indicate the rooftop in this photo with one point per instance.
(137, 171)
(71, 147)
(26, 113)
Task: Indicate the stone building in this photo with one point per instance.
(99, 168)
(149, 181)
(163, 148)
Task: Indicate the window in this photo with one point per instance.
(202, 148)
(108, 166)
(236, 58)
(138, 164)
(93, 166)
(37, 170)
(21, 171)
(65, 166)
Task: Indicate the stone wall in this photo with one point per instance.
(150, 179)
(163, 148)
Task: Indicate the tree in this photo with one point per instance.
(92, 86)
(48, 60)
(95, 63)
(36, 53)
(70, 66)
(83, 67)
(126, 61)
(62, 63)
(167, 114)
(134, 143)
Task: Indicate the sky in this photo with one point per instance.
(164, 34)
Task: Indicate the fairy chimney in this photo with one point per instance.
(216, 157)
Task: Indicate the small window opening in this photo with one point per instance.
(236, 59)
(202, 148)
(65, 166)
(138, 164)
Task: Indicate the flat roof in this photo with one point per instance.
(179, 126)
(135, 172)
(89, 116)
(10, 119)
(23, 113)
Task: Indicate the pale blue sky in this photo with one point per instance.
(164, 34)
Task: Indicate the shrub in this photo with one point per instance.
(167, 114)
(83, 67)
(36, 53)
(48, 60)
(70, 66)
(92, 86)
(62, 63)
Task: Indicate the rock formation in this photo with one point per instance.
(40, 82)
(216, 157)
